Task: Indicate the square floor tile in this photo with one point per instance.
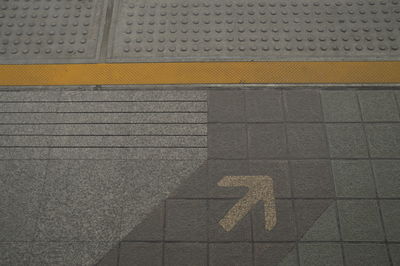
(185, 254)
(353, 178)
(230, 254)
(285, 228)
(278, 171)
(273, 253)
(312, 179)
(326, 254)
(195, 186)
(384, 140)
(264, 106)
(139, 254)
(217, 169)
(366, 255)
(307, 141)
(303, 105)
(391, 218)
(186, 220)
(347, 141)
(151, 228)
(378, 105)
(227, 141)
(217, 210)
(340, 106)
(395, 253)
(387, 176)
(266, 140)
(360, 220)
(226, 106)
(316, 220)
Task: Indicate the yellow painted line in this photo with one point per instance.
(201, 73)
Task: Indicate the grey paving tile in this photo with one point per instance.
(312, 179)
(68, 253)
(272, 254)
(266, 141)
(147, 183)
(347, 141)
(378, 106)
(285, 229)
(110, 259)
(230, 254)
(278, 170)
(15, 253)
(185, 254)
(138, 254)
(384, 140)
(340, 106)
(195, 186)
(21, 183)
(217, 169)
(217, 210)
(320, 254)
(307, 141)
(291, 259)
(395, 253)
(226, 106)
(186, 220)
(151, 228)
(227, 141)
(391, 218)
(264, 106)
(387, 177)
(353, 178)
(360, 221)
(303, 105)
(316, 220)
(81, 201)
(366, 254)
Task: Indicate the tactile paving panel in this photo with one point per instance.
(34, 30)
(175, 30)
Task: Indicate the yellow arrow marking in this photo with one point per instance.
(260, 188)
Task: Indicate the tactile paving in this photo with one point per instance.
(175, 30)
(49, 29)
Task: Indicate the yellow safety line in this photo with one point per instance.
(201, 73)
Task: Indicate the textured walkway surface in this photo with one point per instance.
(127, 176)
(176, 30)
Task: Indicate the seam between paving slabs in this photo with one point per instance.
(334, 186)
(374, 178)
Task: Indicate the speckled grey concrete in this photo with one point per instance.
(336, 179)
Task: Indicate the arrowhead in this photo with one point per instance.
(260, 188)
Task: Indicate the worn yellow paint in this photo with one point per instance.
(260, 189)
(201, 73)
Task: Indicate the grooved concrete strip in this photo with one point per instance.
(153, 124)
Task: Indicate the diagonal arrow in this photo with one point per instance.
(260, 188)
